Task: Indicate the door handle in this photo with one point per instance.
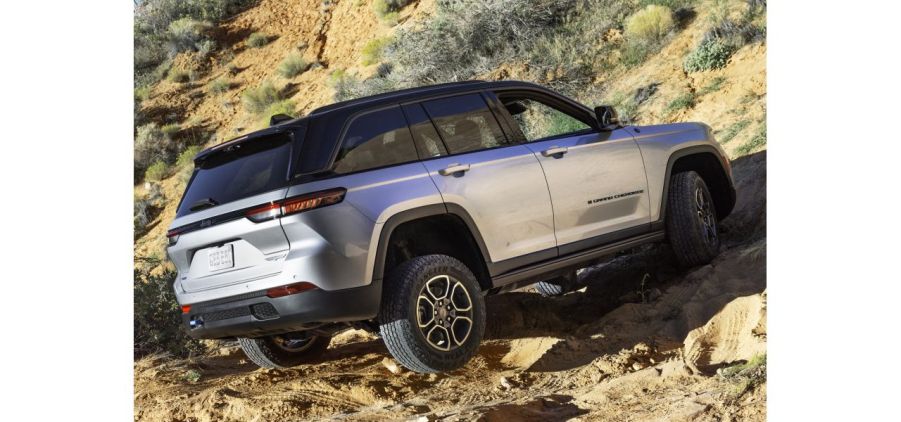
(454, 169)
(556, 152)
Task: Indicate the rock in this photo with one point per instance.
(505, 384)
(644, 93)
(637, 366)
(391, 365)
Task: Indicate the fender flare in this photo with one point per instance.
(412, 214)
(684, 152)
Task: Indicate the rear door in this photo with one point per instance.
(596, 178)
(212, 243)
(496, 180)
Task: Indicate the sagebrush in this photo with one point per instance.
(157, 318)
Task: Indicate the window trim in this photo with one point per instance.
(550, 99)
(330, 171)
(482, 93)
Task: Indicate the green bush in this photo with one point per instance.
(179, 76)
(710, 54)
(649, 24)
(257, 40)
(219, 85)
(713, 86)
(157, 318)
(142, 93)
(372, 51)
(170, 130)
(292, 65)
(257, 100)
(151, 145)
(186, 33)
(186, 158)
(157, 171)
(683, 101)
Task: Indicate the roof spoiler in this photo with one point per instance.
(279, 118)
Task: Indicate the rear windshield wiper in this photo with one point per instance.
(203, 204)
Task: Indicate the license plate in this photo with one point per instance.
(221, 258)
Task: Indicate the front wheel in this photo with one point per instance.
(432, 315)
(284, 351)
(691, 220)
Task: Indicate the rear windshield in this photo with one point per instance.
(247, 169)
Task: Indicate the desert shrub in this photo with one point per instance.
(384, 69)
(372, 51)
(256, 100)
(710, 54)
(154, 39)
(179, 76)
(157, 171)
(750, 26)
(205, 48)
(683, 101)
(186, 33)
(649, 24)
(733, 130)
(383, 8)
(151, 145)
(292, 65)
(346, 86)
(753, 144)
(157, 318)
(186, 158)
(170, 130)
(257, 40)
(142, 93)
(219, 85)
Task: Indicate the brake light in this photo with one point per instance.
(172, 235)
(185, 309)
(290, 289)
(295, 205)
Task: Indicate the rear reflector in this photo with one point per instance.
(185, 309)
(290, 289)
(295, 205)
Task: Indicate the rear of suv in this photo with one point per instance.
(398, 213)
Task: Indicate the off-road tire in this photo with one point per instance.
(398, 321)
(557, 286)
(686, 230)
(266, 353)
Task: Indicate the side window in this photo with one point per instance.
(428, 143)
(538, 120)
(376, 139)
(465, 123)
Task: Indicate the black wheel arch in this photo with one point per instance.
(707, 161)
(469, 246)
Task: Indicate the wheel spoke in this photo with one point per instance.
(439, 337)
(435, 286)
(459, 321)
(422, 311)
(458, 294)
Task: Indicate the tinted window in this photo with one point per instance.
(428, 143)
(538, 120)
(376, 139)
(250, 168)
(465, 123)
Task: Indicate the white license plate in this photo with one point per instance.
(221, 258)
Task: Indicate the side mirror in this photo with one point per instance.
(606, 116)
(278, 118)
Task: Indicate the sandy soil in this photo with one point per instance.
(619, 349)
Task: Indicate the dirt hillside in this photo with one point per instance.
(644, 340)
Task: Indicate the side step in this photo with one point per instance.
(542, 270)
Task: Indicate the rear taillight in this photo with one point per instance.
(185, 309)
(172, 235)
(289, 289)
(295, 205)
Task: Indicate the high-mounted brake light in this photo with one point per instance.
(295, 205)
(290, 289)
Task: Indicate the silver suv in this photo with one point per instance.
(398, 213)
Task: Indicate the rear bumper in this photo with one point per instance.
(256, 315)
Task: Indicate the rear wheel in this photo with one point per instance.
(691, 220)
(432, 315)
(284, 351)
